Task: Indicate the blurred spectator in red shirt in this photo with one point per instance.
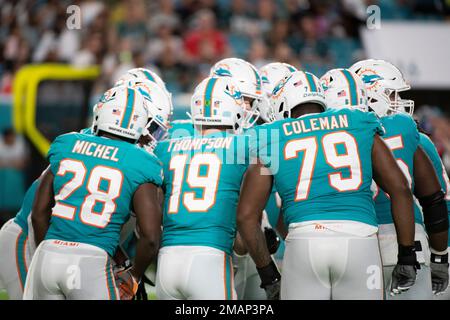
(205, 35)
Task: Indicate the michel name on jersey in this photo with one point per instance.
(96, 150)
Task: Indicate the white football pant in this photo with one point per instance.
(332, 261)
(194, 273)
(72, 271)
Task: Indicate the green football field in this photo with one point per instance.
(3, 295)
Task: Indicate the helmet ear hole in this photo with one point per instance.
(281, 107)
(286, 114)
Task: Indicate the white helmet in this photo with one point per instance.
(272, 73)
(142, 73)
(344, 89)
(121, 111)
(217, 102)
(159, 106)
(382, 79)
(249, 81)
(300, 87)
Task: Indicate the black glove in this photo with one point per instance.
(272, 240)
(270, 280)
(439, 273)
(404, 273)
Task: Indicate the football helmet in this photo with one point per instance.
(272, 73)
(344, 89)
(249, 81)
(159, 106)
(142, 73)
(218, 102)
(121, 111)
(298, 88)
(383, 83)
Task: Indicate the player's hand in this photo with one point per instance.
(439, 273)
(270, 280)
(272, 240)
(273, 290)
(127, 284)
(405, 272)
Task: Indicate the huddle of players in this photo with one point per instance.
(346, 194)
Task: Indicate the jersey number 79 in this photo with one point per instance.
(329, 142)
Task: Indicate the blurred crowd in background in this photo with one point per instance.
(181, 39)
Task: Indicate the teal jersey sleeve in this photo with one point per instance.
(180, 129)
(402, 137)
(94, 182)
(22, 216)
(322, 165)
(429, 148)
(202, 181)
(86, 131)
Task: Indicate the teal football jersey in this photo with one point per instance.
(94, 182)
(402, 138)
(429, 148)
(202, 180)
(22, 216)
(180, 129)
(322, 165)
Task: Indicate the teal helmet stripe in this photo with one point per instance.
(258, 80)
(352, 87)
(291, 68)
(311, 82)
(208, 94)
(126, 118)
(149, 76)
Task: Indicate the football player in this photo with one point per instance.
(84, 199)
(202, 180)
(384, 82)
(427, 145)
(17, 252)
(322, 163)
(17, 247)
(247, 77)
(247, 278)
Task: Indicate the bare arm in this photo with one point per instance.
(148, 214)
(255, 192)
(391, 179)
(281, 227)
(42, 206)
(426, 185)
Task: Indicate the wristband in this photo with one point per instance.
(439, 258)
(269, 274)
(407, 255)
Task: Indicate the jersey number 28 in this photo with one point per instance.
(95, 194)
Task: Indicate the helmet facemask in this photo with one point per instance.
(399, 105)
